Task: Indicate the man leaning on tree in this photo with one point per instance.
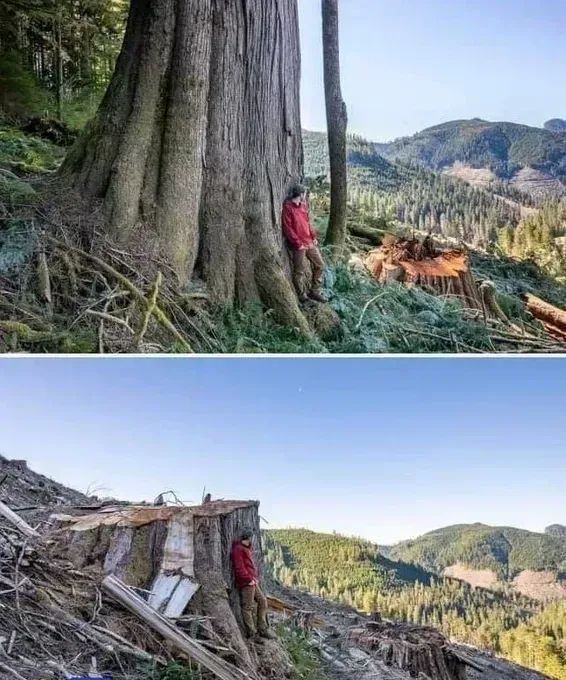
(303, 242)
(247, 582)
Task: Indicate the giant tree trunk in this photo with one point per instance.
(197, 140)
(336, 121)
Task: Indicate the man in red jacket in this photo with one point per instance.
(303, 242)
(247, 582)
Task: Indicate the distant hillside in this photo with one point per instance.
(417, 196)
(504, 549)
(555, 125)
(353, 572)
(556, 530)
(338, 557)
(484, 555)
(528, 158)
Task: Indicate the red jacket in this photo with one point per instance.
(243, 562)
(296, 225)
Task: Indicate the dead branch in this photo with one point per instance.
(17, 521)
(134, 290)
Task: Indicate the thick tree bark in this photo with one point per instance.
(197, 141)
(337, 121)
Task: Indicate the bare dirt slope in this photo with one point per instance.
(540, 585)
(478, 578)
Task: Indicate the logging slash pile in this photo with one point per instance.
(57, 621)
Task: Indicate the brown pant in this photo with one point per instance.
(301, 258)
(248, 596)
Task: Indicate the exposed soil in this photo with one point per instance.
(478, 578)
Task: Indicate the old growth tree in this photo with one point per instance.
(197, 140)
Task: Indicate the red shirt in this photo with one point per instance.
(296, 225)
(243, 562)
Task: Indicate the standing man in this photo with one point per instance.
(303, 241)
(247, 582)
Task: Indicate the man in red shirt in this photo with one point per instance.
(247, 582)
(303, 242)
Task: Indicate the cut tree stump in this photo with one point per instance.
(178, 555)
(413, 649)
(416, 263)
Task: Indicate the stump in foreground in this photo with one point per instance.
(179, 557)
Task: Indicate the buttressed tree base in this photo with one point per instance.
(197, 140)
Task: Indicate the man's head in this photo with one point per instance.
(246, 536)
(298, 193)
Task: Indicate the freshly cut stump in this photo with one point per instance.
(415, 263)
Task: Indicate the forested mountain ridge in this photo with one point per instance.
(352, 571)
(532, 159)
(533, 563)
(417, 196)
(506, 550)
(556, 530)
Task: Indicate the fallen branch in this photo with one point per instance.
(17, 521)
(11, 671)
(374, 236)
(553, 318)
(151, 304)
(25, 333)
(105, 640)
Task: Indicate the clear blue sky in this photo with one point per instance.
(410, 64)
(385, 449)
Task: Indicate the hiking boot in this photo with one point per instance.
(316, 295)
(267, 634)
